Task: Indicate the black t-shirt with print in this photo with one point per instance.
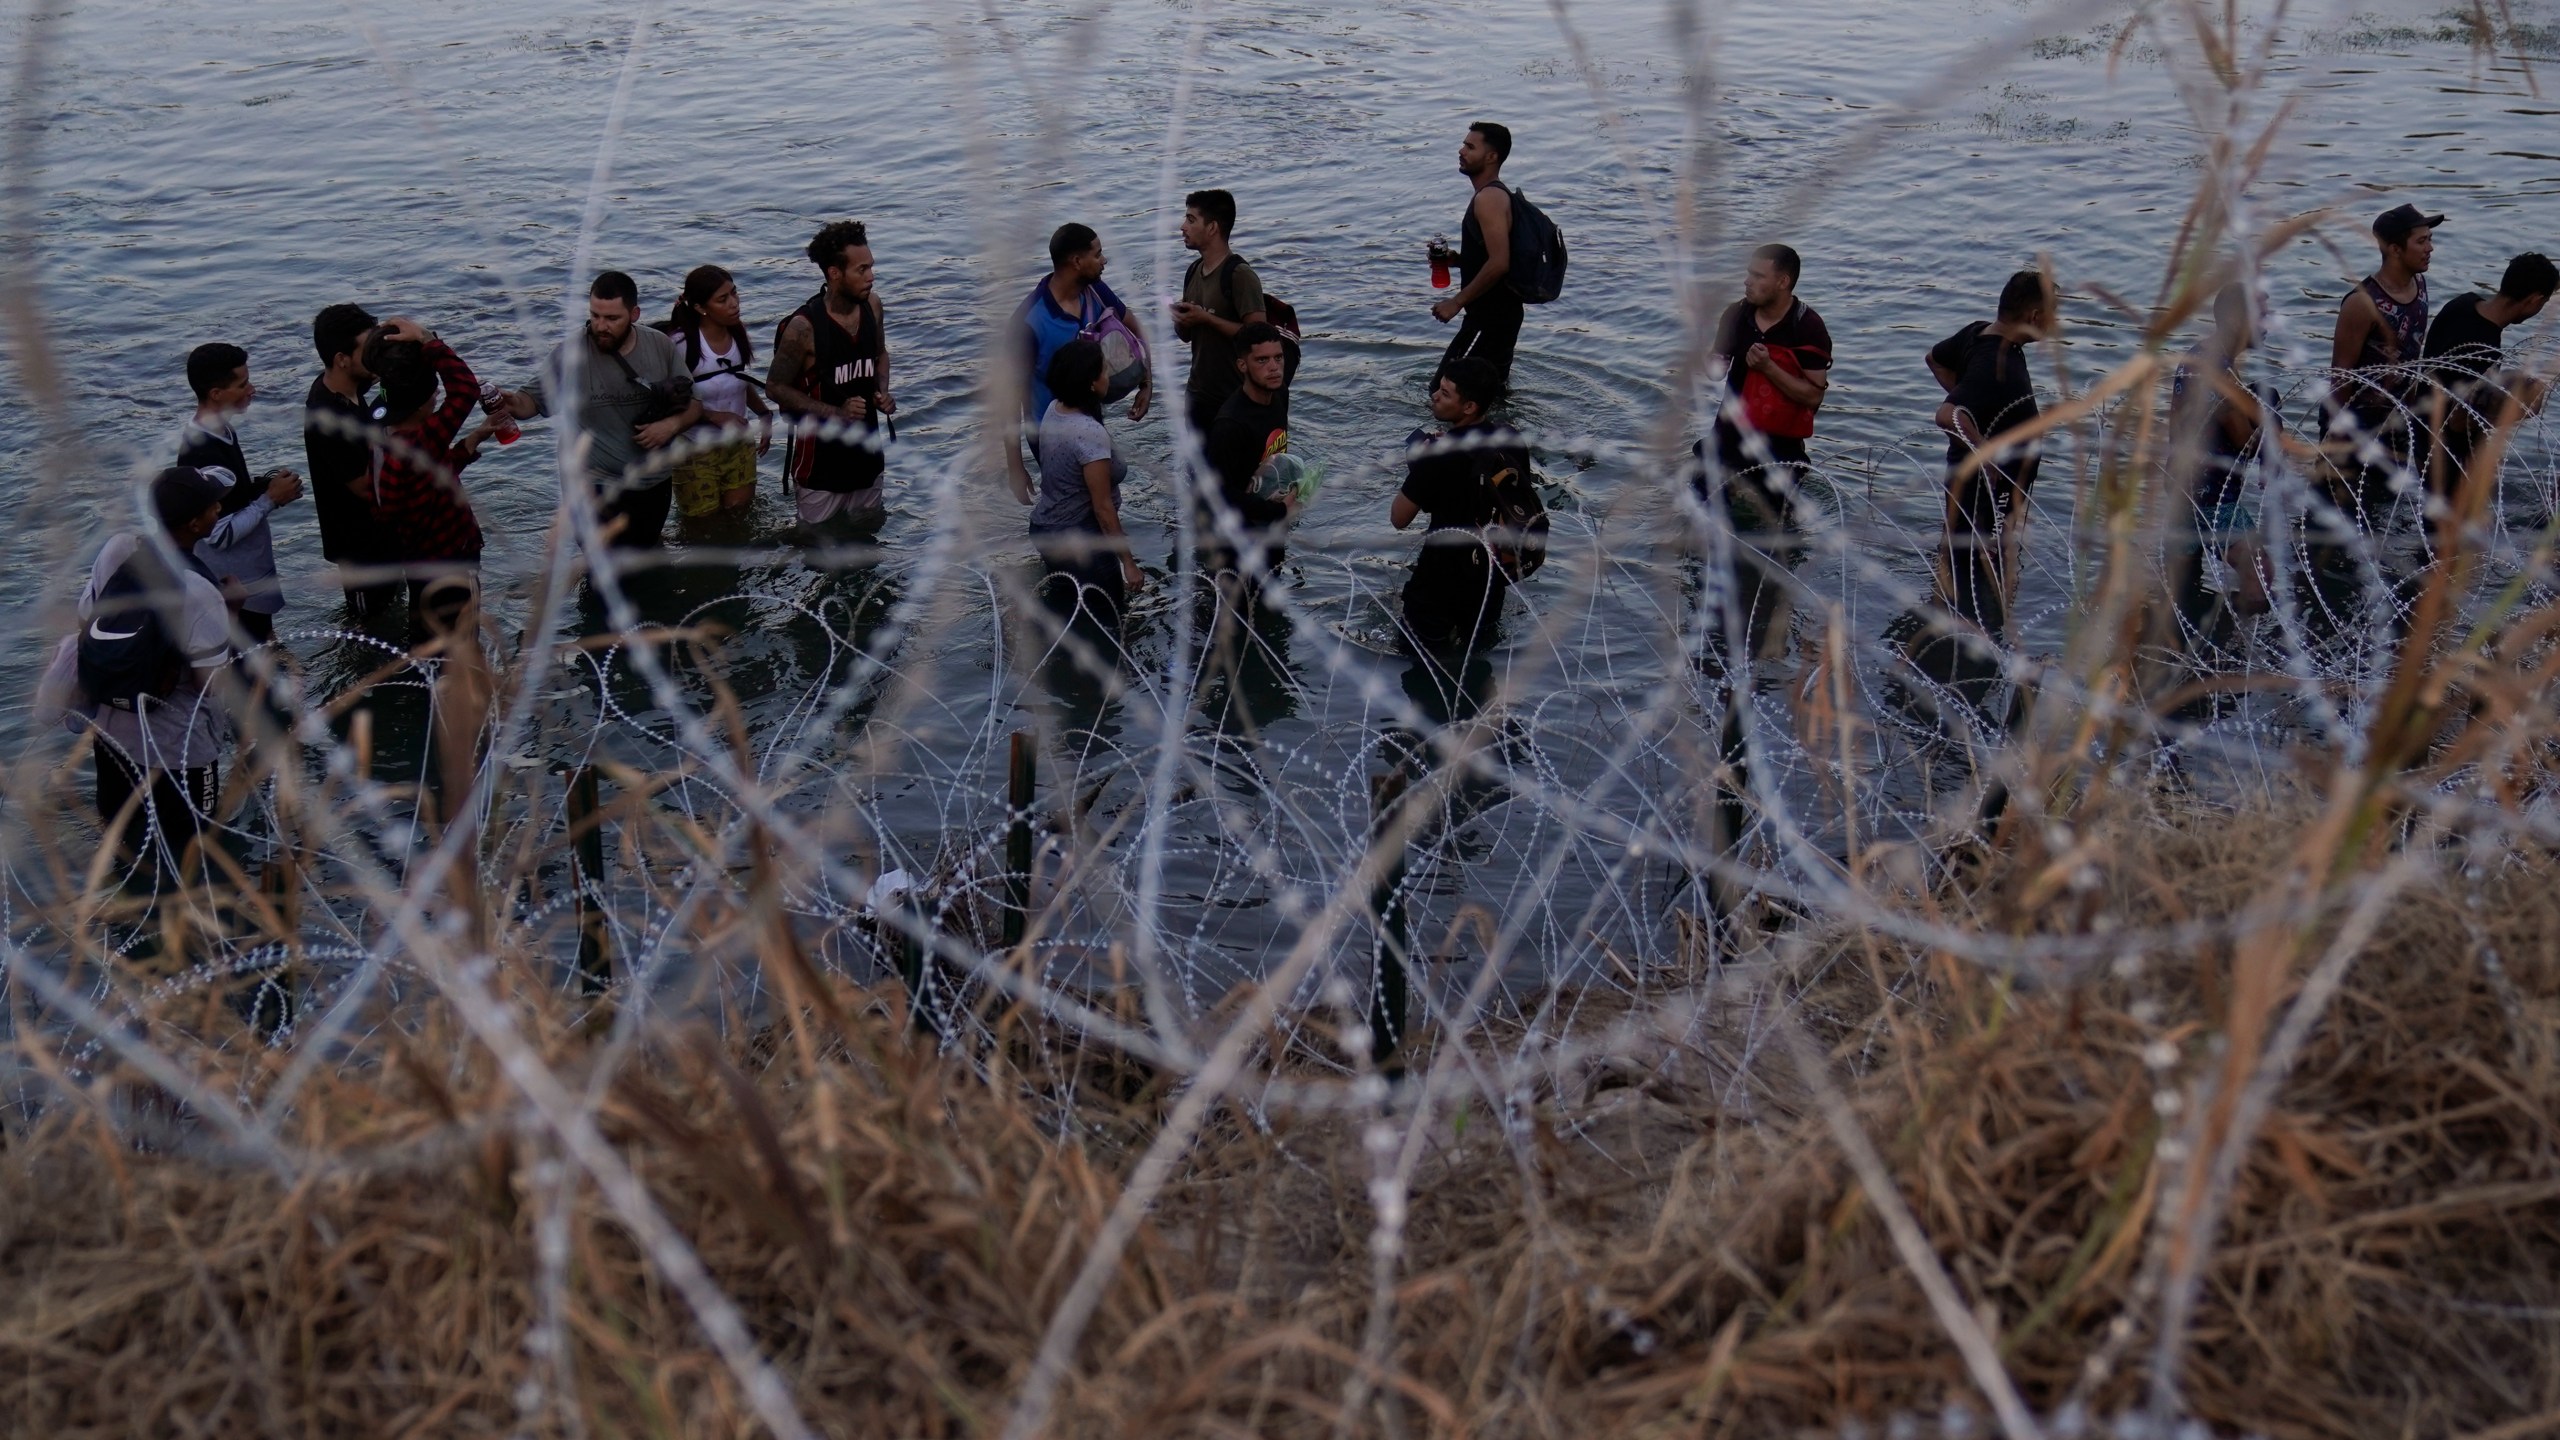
(1456, 589)
(1801, 331)
(1248, 432)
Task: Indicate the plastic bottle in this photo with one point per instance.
(1440, 262)
(494, 400)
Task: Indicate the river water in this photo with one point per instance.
(222, 172)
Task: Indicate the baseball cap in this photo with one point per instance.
(2393, 226)
(181, 493)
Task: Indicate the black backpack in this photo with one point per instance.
(1282, 315)
(127, 656)
(1537, 253)
(1517, 535)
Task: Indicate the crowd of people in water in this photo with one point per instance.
(673, 418)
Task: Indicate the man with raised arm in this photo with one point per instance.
(1493, 309)
(415, 482)
(831, 373)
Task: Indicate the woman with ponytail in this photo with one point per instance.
(720, 478)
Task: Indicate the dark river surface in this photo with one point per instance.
(222, 172)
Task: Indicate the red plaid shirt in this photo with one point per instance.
(424, 514)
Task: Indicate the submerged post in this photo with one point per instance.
(586, 875)
(1022, 778)
(1389, 997)
(907, 949)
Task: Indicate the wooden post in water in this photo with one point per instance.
(908, 952)
(1730, 818)
(1022, 778)
(1389, 997)
(586, 873)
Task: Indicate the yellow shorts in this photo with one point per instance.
(704, 479)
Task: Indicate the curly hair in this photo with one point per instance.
(827, 247)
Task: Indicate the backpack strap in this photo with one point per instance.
(1227, 279)
(628, 373)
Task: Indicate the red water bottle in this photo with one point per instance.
(494, 400)
(1440, 262)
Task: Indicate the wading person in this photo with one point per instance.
(1075, 519)
(2469, 335)
(2373, 353)
(635, 396)
(1252, 430)
(721, 475)
(142, 672)
(241, 549)
(415, 484)
(1773, 354)
(1983, 368)
(336, 415)
(1221, 295)
(2467, 355)
(831, 377)
(1453, 599)
(2217, 425)
(1073, 303)
(1493, 310)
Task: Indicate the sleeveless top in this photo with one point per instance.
(2405, 325)
(841, 367)
(1471, 252)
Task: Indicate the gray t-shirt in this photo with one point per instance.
(609, 405)
(1069, 441)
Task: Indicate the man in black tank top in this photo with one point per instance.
(2383, 320)
(1493, 308)
(2382, 327)
(831, 375)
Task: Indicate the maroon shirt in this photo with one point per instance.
(417, 485)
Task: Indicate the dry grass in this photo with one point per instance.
(1635, 1254)
(2297, 1148)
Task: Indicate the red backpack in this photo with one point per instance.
(1767, 408)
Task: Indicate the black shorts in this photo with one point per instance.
(642, 511)
(1490, 332)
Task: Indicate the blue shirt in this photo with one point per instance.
(1049, 328)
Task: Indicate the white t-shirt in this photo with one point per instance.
(715, 384)
(187, 729)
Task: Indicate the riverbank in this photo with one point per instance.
(1645, 1225)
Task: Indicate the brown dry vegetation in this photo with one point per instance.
(1628, 1252)
(1651, 1224)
